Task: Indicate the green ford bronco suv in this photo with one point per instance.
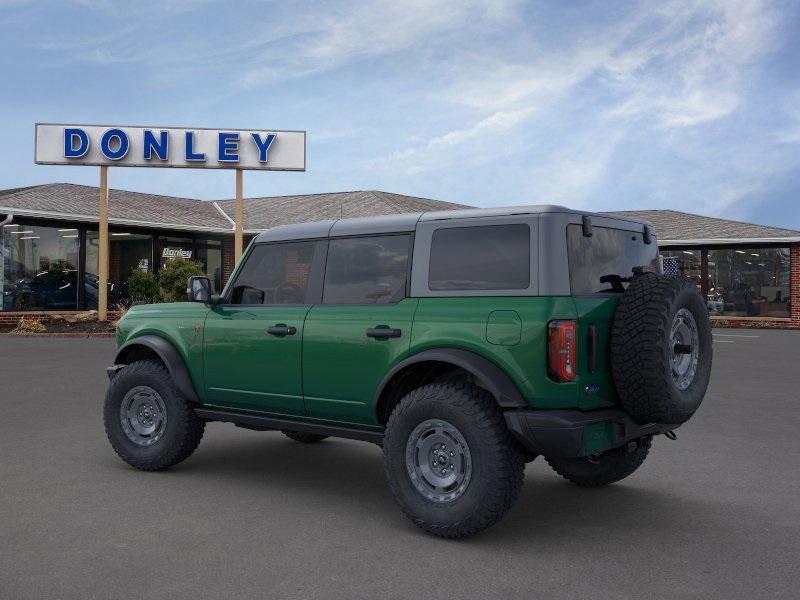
(465, 343)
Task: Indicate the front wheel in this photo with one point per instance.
(451, 464)
(149, 423)
(609, 467)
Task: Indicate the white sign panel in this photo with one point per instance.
(123, 146)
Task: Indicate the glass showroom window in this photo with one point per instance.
(176, 247)
(684, 262)
(128, 251)
(39, 268)
(749, 282)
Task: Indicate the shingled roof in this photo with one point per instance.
(264, 213)
(674, 227)
(68, 201)
(72, 202)
(79, 202)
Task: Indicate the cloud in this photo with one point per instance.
(570, 107)
(679, 103)
(327, 38)
(473, 143)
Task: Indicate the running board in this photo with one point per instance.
(263, 423)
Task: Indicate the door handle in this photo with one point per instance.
(383, 332)
(280, 330)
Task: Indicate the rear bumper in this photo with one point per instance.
(575, 433)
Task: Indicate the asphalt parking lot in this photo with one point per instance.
(254, 515)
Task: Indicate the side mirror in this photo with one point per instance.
(199, 289)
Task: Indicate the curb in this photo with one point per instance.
(56, 335)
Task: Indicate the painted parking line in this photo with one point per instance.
(736, 335)
(716, 341)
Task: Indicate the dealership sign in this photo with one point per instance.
(110, 145)
(176, 253)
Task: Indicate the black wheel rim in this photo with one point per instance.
(685, 349)
(143, 415)
(438, 461)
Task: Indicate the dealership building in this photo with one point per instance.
(749, 274)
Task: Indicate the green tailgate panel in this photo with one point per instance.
(597, 389)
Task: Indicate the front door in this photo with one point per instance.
(253, 338)
(362, 327)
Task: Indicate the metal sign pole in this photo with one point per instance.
(238, 240)
(103, 254)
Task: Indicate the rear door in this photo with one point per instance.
(253, 340)
(361, 328)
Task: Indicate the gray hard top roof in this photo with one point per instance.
(407, 222)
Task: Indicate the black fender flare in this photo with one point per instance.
(489, 375)
(171, 358)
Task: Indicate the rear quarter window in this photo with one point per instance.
(605, 262)
(484, 257)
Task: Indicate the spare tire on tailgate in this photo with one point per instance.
(661, 349)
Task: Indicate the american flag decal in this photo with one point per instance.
(671, 266)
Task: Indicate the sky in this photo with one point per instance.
(620, 105)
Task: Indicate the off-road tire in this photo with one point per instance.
(641, 349)
(183, 429)
(607, 468)
(497, 461)
(304, 438)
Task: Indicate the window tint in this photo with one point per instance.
(366, 270)
(274, 274)
(489, 257)
(605, 261)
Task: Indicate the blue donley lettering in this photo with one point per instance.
(108, 144)
(160, 146)
(228, 147)
(76, 143)
(115, 144)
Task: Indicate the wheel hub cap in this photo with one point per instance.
(438, 460)
(684, 348)
(143, 415)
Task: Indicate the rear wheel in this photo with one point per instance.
(305, 438)
(451, 464)
(149, 423)
(603, 469)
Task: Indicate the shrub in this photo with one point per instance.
(143, 287)
(25, 325)
(173, 278)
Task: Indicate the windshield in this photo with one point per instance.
(605, 262)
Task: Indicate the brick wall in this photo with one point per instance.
(12, 317)
(228, 259)
(794, 283)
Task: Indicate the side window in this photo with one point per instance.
(366, 270)
(485, 257)
(274, 274)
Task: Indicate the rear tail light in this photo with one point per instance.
(561, 350)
